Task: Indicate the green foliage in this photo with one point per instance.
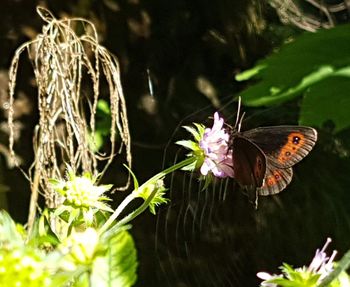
(195, 150)
(103, 125)
(73, 245)
(329, 97)
(156, 187)
(296, 277)
(82, 198)
(118, 266)
(302, 277)
(315, 65)
(9, 233)
(83, 258)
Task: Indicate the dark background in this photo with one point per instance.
(202, 238)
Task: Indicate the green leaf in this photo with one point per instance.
(102, 206)
(65, 278)
(308, 61)
(188, 144)
(136, 183)
(328, 100)
(278, 95)
(191, 167)
(9, 234)
(73, 214)
(246, 75)
(340, 267)
(195, 132)
(118, 266)
(95, 141)
(103, 107)
(201, 129)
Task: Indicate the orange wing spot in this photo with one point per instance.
(294, 142)
(270, 181)
(273, 179)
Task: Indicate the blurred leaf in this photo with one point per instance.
(9, 234)
(4, 188)
(118, 266)
(328, 100)
(96, 141)
(103, 107)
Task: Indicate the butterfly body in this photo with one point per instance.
(263, 157)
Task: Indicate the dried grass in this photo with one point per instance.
(61, 59)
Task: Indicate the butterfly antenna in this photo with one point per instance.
(238, 112)
(240, 122)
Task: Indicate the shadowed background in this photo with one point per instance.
(192, 51)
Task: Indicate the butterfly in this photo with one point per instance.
(263, 157)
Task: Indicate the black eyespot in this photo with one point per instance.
(296, 140)
(287, 153)
(277, 176)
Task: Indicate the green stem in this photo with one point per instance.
(134, 195)
(342, 265)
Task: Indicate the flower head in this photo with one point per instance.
(322, 264)
(81, 197)
(23, 267)
(211, 149)
(145, 192)
(218, 156)
(320, 267)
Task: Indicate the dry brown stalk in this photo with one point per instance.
(62, 58)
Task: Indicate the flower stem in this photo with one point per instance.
(342, 265)
(145, 204)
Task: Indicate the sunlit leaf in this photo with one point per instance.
(118, 266)
(188, 144)
(317, 64)
(8, 231)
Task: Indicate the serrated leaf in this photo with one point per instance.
(118, 266)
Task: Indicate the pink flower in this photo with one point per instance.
(218, 155)
(320, 267)
(322, 264)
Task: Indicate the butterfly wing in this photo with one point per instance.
(249, 163)
(286, 145)
(276, 179)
